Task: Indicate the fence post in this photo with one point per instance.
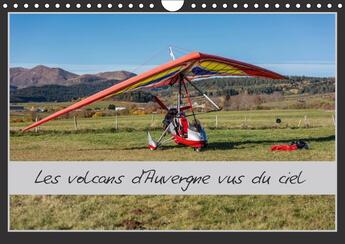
(244, 123)
(216, 121)
(333, 118)
(306, 122)
(75, 122)
(36, 128)
(116, 121)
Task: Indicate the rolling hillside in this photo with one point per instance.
(44, 84)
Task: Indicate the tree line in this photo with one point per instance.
(216, 87)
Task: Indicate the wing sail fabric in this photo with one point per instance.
(191, 65)
(210, 65)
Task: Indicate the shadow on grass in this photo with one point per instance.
(225, 145)
(234, 145)
(144, 147)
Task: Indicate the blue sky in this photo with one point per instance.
(292, 44)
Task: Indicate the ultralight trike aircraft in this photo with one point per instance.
(183, 72)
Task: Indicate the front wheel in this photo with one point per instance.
(197, 149)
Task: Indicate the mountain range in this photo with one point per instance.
(42, 75)
(44, 84)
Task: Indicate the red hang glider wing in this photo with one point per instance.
(211, 65)
(191, 65)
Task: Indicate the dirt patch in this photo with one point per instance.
(137, 211)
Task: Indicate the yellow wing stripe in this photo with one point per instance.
(150, 79)
(221, 68)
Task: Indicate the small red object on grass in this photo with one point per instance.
(292, 147)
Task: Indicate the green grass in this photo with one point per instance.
(173, 212)
(234, 138)
(224, 144)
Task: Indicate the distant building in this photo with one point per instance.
(196, 105)
(120, 108)
(42, 110)
(38, 110)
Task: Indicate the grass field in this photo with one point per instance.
(243, 135)
(173, 212)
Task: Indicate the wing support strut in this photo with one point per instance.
(203, 93)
